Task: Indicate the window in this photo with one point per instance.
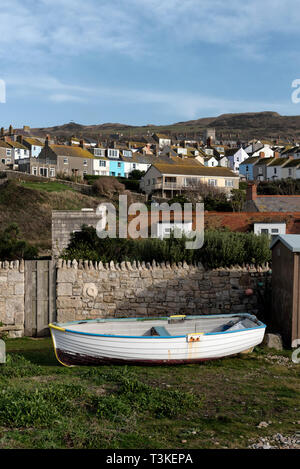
(212, 182)
(264, 231)
(99, 152)
(274, 230)
(228, 183)
(119, 165)
(84, 162)
(52, 172)
(290, 172)
(247, 168)
(44, 172)
(134, 165)
(84, 172)
(259, 170)
(148, 182)
(34, 171)
(102, 163)
(113, 153)
(8, 152)
(275, 170)
(66, 160)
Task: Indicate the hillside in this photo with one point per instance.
(31, 210)
(245, 126)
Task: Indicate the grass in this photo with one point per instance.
(52, 186)
(215, 405)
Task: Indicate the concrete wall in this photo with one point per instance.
(88, 290)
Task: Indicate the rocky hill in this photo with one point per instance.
(245, 126)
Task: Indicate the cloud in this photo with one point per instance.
(33, 30)
(171, 103)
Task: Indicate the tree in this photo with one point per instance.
(13, 247)
(136, 174)
(237, 200)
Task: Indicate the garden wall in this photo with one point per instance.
(12, 297)
(88, 290)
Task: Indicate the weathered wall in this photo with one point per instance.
(64, 222)
(89, 290)
(12, 297)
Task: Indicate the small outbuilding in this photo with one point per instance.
(285, 317)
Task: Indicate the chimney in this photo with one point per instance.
(20, 138)
(2, 131)
(251, 191)
(262, 154)
(81, 144)
(209, 141)
(276, 154)
(47, 141)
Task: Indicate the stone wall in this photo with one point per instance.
(12, 297)
(65, 222)
(88, 290)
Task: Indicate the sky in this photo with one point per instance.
(142, 62)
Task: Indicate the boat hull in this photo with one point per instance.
(73, 348)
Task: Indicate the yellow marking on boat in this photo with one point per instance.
(178, 316)
(51, 326)
(56, 327)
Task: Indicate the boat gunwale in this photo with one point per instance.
(57, 326)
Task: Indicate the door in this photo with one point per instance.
(40, 297)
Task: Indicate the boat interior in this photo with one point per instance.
(172, 326)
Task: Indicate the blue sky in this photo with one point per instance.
(146, 61)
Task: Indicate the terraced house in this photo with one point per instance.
(61, 160)
(5, 153)
(176, 176)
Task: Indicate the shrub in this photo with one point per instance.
(130, 184)
(107, 186)
(222, 248)
(13, 247)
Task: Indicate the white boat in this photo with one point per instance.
(149, 341)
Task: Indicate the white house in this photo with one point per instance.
(271, 229)
(163, 229)
(266, 149)
(235, 158)
(100, 166)
(19, 151)
(211, 162)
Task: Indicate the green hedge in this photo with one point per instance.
(130, 184)
(221, 249)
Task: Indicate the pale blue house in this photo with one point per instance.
(116, 168)
(246, 167)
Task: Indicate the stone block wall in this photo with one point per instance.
(65, 222)
(87, 290)
(12, 297)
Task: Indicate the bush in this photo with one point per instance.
(221, 249)
(13, 247)
(281, 187)
(136, 174)
(107, 186)
(130, 184)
